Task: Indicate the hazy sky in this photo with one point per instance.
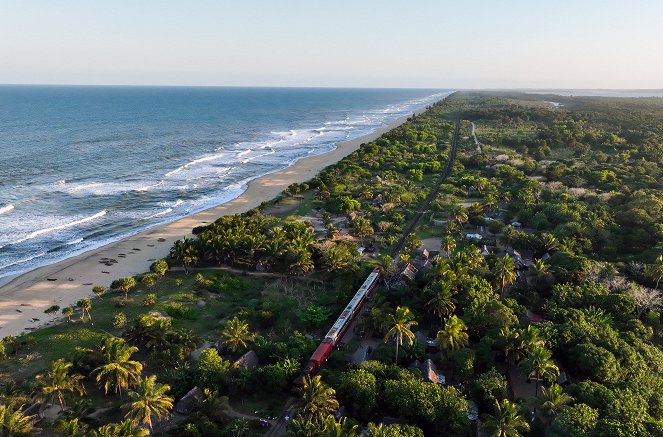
(436, 43)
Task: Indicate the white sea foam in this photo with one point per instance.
(5, 209)
(76, 241)
(60, 227)
(21, 261)
(148, 187)
(195, 162)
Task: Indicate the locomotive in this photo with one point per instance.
(339, 328)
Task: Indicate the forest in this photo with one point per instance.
(526, 301)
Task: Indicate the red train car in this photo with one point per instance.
(340, 326)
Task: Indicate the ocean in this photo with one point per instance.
(81, 167)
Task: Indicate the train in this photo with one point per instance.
(340, 326)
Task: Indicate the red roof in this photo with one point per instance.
(534, 317)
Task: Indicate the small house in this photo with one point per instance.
(428, 370)
(35, 412)
(248, 361)
(409, 272)
(189, 401)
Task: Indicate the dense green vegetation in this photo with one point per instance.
(535, 309)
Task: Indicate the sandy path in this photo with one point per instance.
(24, 299)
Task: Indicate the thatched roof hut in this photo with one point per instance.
(189, 402)
(248, 361)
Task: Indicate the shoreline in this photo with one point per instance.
(24, 297)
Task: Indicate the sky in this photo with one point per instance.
(360, 43)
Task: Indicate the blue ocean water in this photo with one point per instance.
(83, 166)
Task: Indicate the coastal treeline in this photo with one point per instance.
(526, 302)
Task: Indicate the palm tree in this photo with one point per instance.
(448, 244)
(399, 324)
(122, 429)
(552, 400)
(13, 422)
(362, 227)
(118, 371)
(124, 285)
(301, 262)
(530, 338)
(655, 270)
(318, 399)
(459, 215)
(547, 243)
(506, 421)
(538, 270)
(238, 427)
(99, 290)
(71, 428)
(509, 341)
(85, 305)
(236, 334)
(68, 312)
(509, 236)
(57, 380)
(443, 304)
(505, 272)
(330, 427)
(539, 365)
(453, 335)
(149, 400)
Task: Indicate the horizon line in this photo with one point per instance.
(328, 87)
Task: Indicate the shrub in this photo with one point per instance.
(160, 267)
(150, 299)
(119, 321)
(179, 311)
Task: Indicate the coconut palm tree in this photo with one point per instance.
(57, 380)
(539, 366)
(538, 270)
(509, 236)
(552, 400)
(238, 427)
(459, 216)
(448, 245)
(118, 371)
(509, 341)
(505, 272)
(530, 338)
(655, 270)
(98, 290)
(124, 285)
(506, 421)
(398, 327)
(13, 422)
(71, 428)
(318, 399)
(454, 334)
(122, 429)
(236, 334)
(301, 262)
(85, 305)
(148, 400)
(362, 227)
(68, 312)
(442, 304)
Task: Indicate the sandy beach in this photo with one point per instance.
(24, 298)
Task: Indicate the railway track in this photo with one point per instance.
(433, 194)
